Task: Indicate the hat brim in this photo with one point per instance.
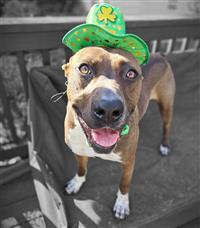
(93, 35)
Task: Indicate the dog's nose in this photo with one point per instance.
(107, 106)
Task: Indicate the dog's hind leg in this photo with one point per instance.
(166, 93)
(74, 185)
(166, 113)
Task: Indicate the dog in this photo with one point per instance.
(107, 90)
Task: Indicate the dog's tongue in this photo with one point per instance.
(105, 137)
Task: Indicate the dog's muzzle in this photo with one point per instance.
(103, 120)
(107, 109)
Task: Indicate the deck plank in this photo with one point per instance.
(192, 224)
(22, 188)
(19, 204)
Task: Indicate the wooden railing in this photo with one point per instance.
(21, 35)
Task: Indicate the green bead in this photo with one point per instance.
(125, 130)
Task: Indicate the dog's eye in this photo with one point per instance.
(85, 69)
(131, 74)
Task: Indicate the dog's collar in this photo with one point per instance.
(125, 130)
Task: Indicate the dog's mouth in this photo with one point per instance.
(103, 140)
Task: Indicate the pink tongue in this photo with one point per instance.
(105, 137)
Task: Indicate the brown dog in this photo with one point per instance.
(107, 90)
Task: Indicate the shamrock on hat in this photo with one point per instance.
(105, 27)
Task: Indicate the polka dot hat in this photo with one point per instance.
(105, 27)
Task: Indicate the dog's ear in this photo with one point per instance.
(65, 67)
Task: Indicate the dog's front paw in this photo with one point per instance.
(121, 207)
(74, 185)
(164, 150)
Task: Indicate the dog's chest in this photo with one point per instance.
(78, 143)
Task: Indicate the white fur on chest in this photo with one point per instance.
(78, 143)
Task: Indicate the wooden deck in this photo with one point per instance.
(19, 204)
(19, 207)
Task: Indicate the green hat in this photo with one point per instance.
(105, 27)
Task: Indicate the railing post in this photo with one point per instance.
(23, 71)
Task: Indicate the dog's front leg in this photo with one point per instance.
(121, 207)
(74, 185)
